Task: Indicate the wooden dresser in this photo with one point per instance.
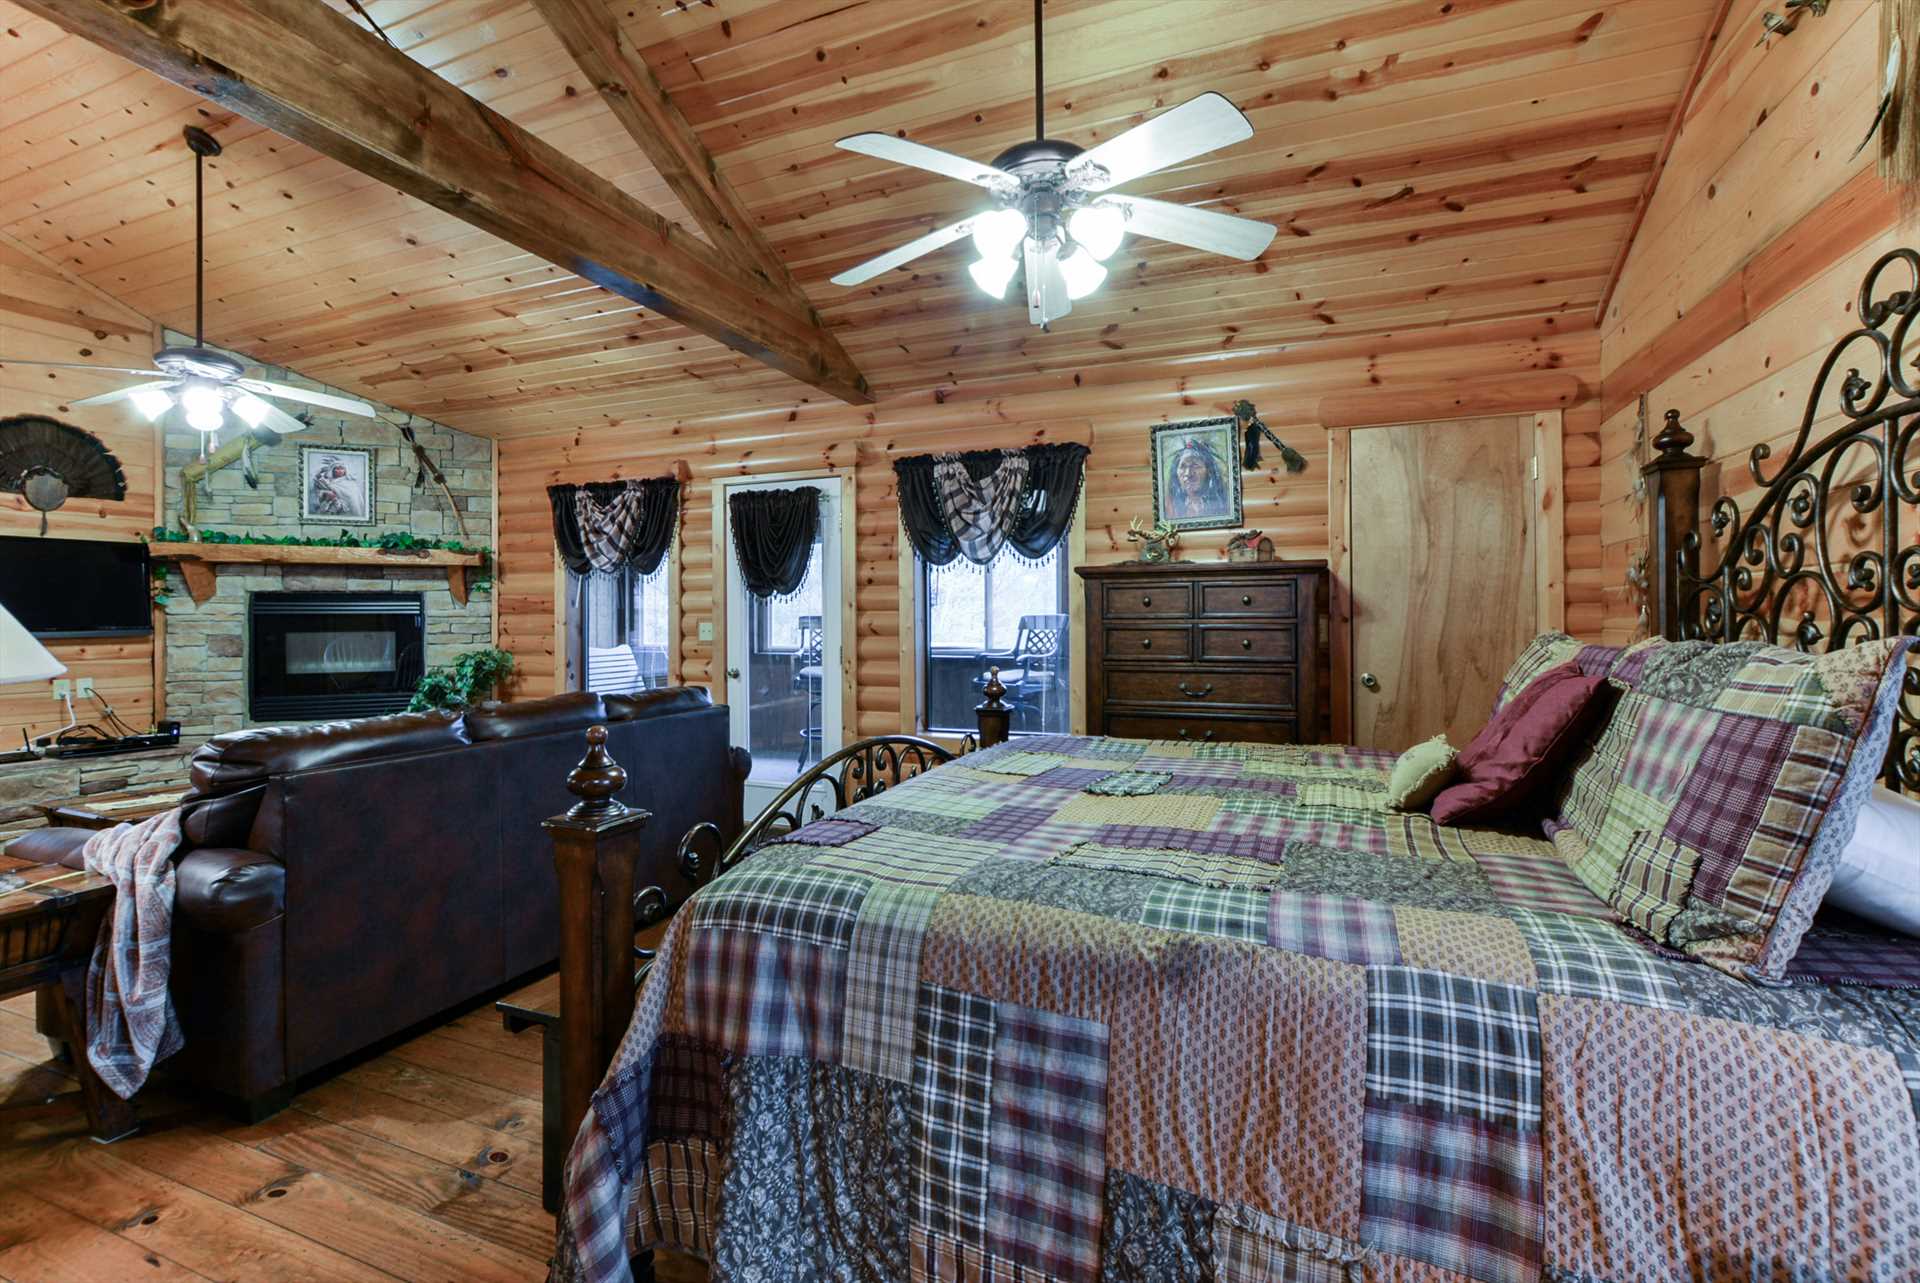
(1208, 651)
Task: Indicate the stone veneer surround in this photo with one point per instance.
(206, 677)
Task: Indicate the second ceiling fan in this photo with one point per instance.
(1056, 216)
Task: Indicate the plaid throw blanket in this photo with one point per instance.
(1004, 1025)
(131, 1024)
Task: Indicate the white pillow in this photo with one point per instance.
(1878, 877)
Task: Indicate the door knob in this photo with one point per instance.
(733, 672)
(1369, 681)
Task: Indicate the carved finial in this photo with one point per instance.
(994, 688)
(596, 779)
(1673, 439)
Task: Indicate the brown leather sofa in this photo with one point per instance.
(344, 881)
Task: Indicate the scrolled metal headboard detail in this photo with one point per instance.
(857, 772)
(1833, 536)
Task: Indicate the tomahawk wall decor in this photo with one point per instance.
(1196, 475)
(336, 484)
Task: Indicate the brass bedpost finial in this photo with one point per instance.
(596, 779)
(1673, 439)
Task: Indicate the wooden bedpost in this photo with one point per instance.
(1673, 514)
(992, 716)
(595, 848)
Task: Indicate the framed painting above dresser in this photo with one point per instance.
(1208, 651)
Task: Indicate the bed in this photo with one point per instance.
(1086, 1009)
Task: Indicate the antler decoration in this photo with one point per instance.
(1250, 424)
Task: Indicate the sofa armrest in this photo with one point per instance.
(227, 889)
(57, 845)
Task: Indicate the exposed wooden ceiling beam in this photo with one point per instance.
(632, 92)
(305, 72)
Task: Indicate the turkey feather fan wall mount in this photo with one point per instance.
(49, 462)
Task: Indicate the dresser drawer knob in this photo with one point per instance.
(1246, 599)
(1246, 643)
(1146, 601)
(1146, 643)
(1183, 735)
(1190, 693)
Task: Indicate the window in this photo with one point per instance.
(623, 630)
(777, 625)
(1011, 613)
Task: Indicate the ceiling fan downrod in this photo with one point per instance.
(1039, 74)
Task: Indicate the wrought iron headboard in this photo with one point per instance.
(1810, 544)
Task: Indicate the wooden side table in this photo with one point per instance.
(109, 809)
(49, 919)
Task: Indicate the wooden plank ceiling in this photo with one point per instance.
(1430, 163)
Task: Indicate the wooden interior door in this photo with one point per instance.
(1441, 573)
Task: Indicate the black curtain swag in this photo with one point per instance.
(611, 525)
(773, 537)
(1039, 521)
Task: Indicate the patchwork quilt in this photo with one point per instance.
(1081, 1010)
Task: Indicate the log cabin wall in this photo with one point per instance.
(46, 315)
(1109, 407)
(1744, 271)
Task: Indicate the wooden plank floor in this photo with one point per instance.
(421, 1165)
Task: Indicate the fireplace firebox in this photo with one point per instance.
(317, 655)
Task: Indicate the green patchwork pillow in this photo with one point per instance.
(1420, 773)
(1712, 804)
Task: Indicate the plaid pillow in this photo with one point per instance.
(1652, 884)
(1736, 755)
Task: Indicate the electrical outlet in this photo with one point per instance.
(706, 630)
(62, 688)
(82, 687)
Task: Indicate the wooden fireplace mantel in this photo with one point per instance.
(197, 561)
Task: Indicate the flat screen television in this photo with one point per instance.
(75, 587)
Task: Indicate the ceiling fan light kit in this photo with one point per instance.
(1056, 217)
(205, 383)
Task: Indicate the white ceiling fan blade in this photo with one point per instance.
(1229, 234)
(905, 254)
(920, 156)
(1194, 128)
(1047, 298)
(326, 400)
(121, 394)
(82, 365)
(280, 421)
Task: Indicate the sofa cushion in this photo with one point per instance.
(1719, 790)
(494, 720)
(661, 701)
(57, 845)
(239, 758)
(226, 889)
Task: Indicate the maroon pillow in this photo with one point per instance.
(1521, 747)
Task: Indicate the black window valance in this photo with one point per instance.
(974, 504)
(773, 537)
(612, 525)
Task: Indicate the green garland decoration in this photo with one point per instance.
(392, 541)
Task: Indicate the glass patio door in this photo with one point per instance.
(784, 655)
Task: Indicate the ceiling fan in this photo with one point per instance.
(1055, 211)
(206, 383)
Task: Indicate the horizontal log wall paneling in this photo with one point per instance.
(1743, 275)
(1112, 417)
(45, 315)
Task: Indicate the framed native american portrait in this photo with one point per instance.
(336, 485)
(1196, 474)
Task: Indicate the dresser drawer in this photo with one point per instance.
(1274, 599)
(1247, 642)
(1159, 600)
(1203, 690)
(1159, 643)
(1212, 730)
